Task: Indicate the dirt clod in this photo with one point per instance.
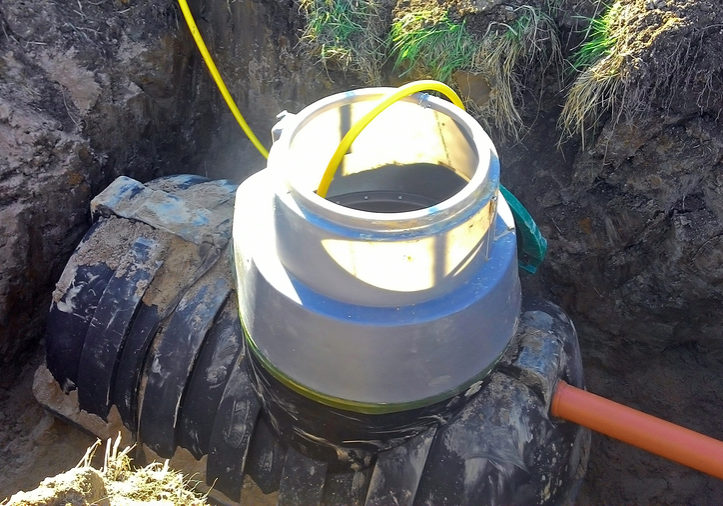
(77, 487)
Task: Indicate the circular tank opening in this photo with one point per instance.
(415, 155)
(400, 188)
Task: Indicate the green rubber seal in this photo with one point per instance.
(356, 406)
(531, 245)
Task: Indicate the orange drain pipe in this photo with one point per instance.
(638, 429)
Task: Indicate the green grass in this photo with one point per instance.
(436, 46)
(342, 33)
(433, 41)
(599, 64)
(600, 38)
(356, 35)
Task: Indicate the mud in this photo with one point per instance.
(107, 251)
(34, 443)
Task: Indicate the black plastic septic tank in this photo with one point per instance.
(384, 352)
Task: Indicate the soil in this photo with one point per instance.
(33, 443)
(634, 217)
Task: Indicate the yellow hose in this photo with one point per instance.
(355, 130)
(351, 135)
(217, 78)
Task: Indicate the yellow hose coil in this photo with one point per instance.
(355, 130)
(217, 78)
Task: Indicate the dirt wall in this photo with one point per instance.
(634, 220)
(87, 92)
(99, 89)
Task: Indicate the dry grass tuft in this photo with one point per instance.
(425, 40)
(153, 483)
(608, 62)
(434, 45)
(118, 482)
(507, 57)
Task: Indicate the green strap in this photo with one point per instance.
(531, 245)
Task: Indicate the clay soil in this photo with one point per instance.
(33, 443)
(634, 217)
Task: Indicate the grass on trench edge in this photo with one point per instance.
(350, 35)
(599, 39)
(344, 33)
(611, 76)
(433, 41)
(438, 46)
(598, 63)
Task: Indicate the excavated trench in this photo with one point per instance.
(634, 218)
